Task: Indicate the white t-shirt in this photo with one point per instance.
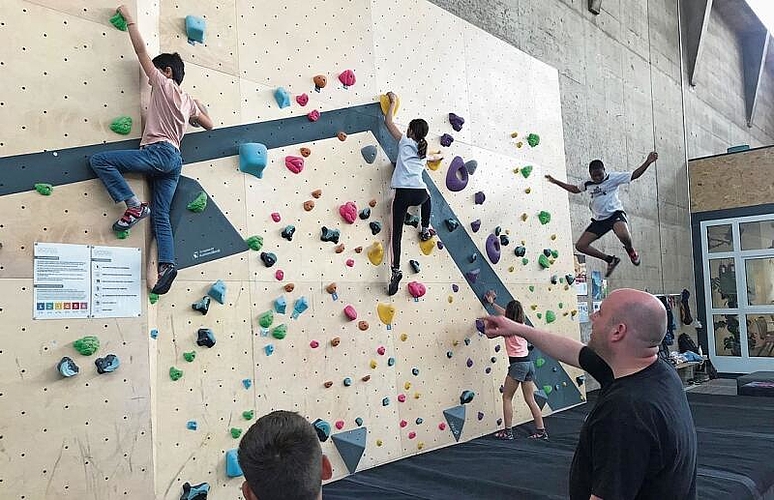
(604, 196)
(409, 167)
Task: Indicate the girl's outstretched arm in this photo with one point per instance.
(394, 130)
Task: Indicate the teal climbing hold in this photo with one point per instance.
(191, 425)
(232, 464)
(351, 445)
(282, 97)
(466, 397)
(386, 402)
(194, 29)
(280, 304)
(391, 362)
(269, 350)
(347, 382)
(218, 291)
(198, 204)
(359, 421)
(247, 383)
(122, 125)
(455, 417)
(253, 158)
(254, 242)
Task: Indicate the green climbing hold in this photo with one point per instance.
(266, 319)
(248, 415)
(236, 432)
(254, 242)
(525, 171)
(533, 140)
(122, 235)
(561, 305)
(122, 125)
(525, 261)
(547, 389)
(43, 188)
(189, 356)
(544, 217)
(152, 297)
(279, 332)
(199, 203)
(555, 254)
(550, 316)
(540, 362)
(539, 315)
(87, 345)
(543, 261)
(175, 374)
(119, 22)
(532, 288)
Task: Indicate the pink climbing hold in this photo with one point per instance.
(276, 217)
(442, 426)
(403, 423)
(339, 424)
(350, 262)
(412, 435)
(350, 313)
(313, 115)
(302, 99)
(280, 274)
(348, 212)
(416, 289)
(402, 398)
(381, 350)
(347, 77)
(314, 344)
(294, 163)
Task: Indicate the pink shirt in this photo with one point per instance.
(516, 347)
(168, 111)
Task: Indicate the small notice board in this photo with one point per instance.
(85, 281)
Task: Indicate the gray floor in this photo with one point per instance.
(723, 386)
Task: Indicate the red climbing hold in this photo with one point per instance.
(313, 115)
(339, 424)
(416, 289)
(302, 99)
(348, 212)
(350, 263)
(275, 217)
(280, 275)
(442, 426)
(294, 163)
(381, 350)
(402, 398)
(403, 423)
(350, 313)
(314, 344)
(347, 77)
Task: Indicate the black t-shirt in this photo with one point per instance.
(639, 441)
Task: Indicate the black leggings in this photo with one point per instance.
(405, 198)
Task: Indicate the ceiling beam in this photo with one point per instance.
(755, 47)
(695, 16)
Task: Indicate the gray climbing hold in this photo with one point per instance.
(369, 153)
(202, 306)
(351, 445)
(455, 417)
(218, 291)
(329, 235)
(205, 337)
(414, 265)
(471, 166)
(198, 492)
(67, 367)
(376, 227)
(107, 364)
(365, 213)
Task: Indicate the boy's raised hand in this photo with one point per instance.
(124, 11)
(550, 179)
(652, 157)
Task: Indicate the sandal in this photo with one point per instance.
(505, 434)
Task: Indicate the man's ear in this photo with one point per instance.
(327, 468)
(619, 333)
(247, 492)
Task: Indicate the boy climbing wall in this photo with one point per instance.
(606, 209)
(158, 158)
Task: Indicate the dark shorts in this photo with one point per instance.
(602, 227)
(522, 371)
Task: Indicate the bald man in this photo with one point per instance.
(639, 441)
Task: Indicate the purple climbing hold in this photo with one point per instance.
(455, 288)
(457, 177)
(446, 140)
(469, 362)
(480, 325)
(472, 276)
(456, 122)
(493, 248)
(475, 225)
(479, 198)
(497, 348)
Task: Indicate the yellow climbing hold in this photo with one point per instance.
(434, 160)
(403, 337)
(511, 269)
(455, 343)
(553, 236)
(451, 299)
(514, 135)
(516, 170)
(384, 103)
(519, 144)
(417, 395)
(407, 386)
(528, 190)
(376, 253)
(524, 217)
(574, 312)
(373, 364)
(379, 442)
(533, 307)
(386, 312)
(420, 445)
(427, 246)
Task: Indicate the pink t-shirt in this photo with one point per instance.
(168, 111)
(516, 347)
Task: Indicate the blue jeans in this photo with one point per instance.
(161, 163)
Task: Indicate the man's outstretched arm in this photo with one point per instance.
(559, 347)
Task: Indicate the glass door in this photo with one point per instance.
(738, 263)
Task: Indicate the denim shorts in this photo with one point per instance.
(522, 371)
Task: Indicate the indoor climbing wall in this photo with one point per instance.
(299, 323)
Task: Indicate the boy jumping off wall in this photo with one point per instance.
(158, 158)
(606, 209)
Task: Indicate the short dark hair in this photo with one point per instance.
(281, 457)
(515, 311)
(596, 165)
(173, 61)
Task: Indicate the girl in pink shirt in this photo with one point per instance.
(521, 371)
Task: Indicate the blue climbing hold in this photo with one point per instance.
(280, 304)
(197, 492)
(253, 158)
(218, 291)
(194, 29)
(67, 367)
(347, 382)
(232, 464)
(191, 425)
(299, 306)
(107, 364)
(391, 362)
(247, 383)
(323, 429)
(269, 349)
(154, 333)
(205, 337)
(282, 97)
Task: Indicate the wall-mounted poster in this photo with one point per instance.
(597, 285)
(581, 279)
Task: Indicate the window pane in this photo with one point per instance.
(723, 283)
(757, 235)
(726, 328)
(719, 238)
(760, 335)
(760, 281)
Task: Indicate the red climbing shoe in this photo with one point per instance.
(131, 216)
(634, 256)
(612, 265)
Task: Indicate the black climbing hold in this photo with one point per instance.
(287, 233)
(323, 429)
(414, 265)
(580, 379)
(330, 235)
(67, 367)
(473, 257)
(475, 225)
(520, 251)
(504, 240)
(466, 397)
(547, 252)
(570, 278)
(451, 224)
(471, 166)
(554, 279)
(498, 230)
(268, 258)
(376, 227)
(411, 220)
(205, 337)
(365, 213)
(107, 364)
(197, 492)
(203, 305)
